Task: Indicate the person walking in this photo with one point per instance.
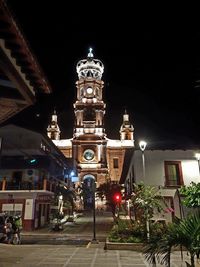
(9, 229)
(17, 227)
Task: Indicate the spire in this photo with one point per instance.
(126, 130)
(54, 116)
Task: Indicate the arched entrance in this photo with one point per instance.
(88, 190)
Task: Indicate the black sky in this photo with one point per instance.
(152, 64)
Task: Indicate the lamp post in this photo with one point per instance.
(197, 156)
(94, 240)
(143, 145)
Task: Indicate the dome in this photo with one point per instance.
(90, 67)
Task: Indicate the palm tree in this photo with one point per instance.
(186, 233)
(159, 246)
(189, 235)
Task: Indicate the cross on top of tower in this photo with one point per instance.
(90, 54)
(90, 67)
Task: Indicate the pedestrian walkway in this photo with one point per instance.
(88, 254)
(65, 256)
(82, 227)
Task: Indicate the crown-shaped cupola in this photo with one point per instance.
(90, 67)
(126, 129)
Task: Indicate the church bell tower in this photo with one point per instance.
(89, 138)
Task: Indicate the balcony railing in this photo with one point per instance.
(42, 185)
(24, 186)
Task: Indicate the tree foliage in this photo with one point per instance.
(191, 194)
(145, 198)
(108, 190)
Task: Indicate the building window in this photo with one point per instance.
(89, 114)
(173, 173)
(115, 163)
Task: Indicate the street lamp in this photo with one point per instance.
(72, 173)
(94, 240)
(197, 156)
(142, 145)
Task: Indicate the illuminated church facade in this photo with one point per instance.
(95, 156)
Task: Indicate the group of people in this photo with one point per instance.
(13, 227)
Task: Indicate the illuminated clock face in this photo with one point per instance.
(88, 154)
(89, 90)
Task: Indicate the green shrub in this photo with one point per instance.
(125, 231)
(134, 239)
(158, 229)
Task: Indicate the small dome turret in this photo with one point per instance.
(126, 129)
(53, 130)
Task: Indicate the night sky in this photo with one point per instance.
(152, 66)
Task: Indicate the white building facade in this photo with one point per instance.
(167, 170)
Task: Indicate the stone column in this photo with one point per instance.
(4, 184)
(45, 184)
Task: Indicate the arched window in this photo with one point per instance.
(89, 114)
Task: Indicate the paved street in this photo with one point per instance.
(72, 256)
(80, 232)
(72, 248)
